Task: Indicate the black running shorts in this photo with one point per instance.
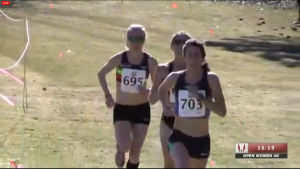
(138, 114)
(168, 120)
(197, 147)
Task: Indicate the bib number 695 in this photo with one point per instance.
(132, 81)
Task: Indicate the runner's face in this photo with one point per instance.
(136, 39)
(193, 57)
(178, 42)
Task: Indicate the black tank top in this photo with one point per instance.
(171, 68)
(190, 107)
(125, 64)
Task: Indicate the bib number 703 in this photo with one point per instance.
(132, 81)
(191, 104)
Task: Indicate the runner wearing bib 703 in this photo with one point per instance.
(197, 92)
(190, 107)
(187, 106)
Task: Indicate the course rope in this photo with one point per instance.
(26, 34)
(23, 56)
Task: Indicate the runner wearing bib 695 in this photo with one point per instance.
(168, 119)
(195, 87)
(132, 108)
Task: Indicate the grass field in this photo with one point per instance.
(68, 125)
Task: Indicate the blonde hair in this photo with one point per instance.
(135, 27)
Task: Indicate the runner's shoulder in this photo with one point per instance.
(151, 59)
(176, 74)
(163, 68)
(118, 55)
(116, 58)
(212, 75)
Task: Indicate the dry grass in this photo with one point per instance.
(69, 126)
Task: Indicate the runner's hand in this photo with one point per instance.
(143, 89)
(109, 101)
(193, 91)
(167, 110)
(169, 113)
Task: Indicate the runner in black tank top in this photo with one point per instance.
(131, 74)
(189, 142)
(131, 110)
(169, 120)
(163, 70)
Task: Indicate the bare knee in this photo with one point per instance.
(139, 134)
(135, 150)
(198, 163)
(168, 163)
(180, 156)
(181, 164)
(164, 131)
(124, 146)
(122, 134)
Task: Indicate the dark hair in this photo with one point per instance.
(200, 45)
(176, 35)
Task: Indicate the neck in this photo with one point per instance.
(194, 72)
(135, 54)
(178, 60)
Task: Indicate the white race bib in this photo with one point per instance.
(190, 107)
(172, 96)
(132, 79)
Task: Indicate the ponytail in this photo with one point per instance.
(205, 67)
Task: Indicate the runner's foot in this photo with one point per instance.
(119, 158)
(297, 22)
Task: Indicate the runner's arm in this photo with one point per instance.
(165, 86)
(153, 97)
(152, 67)
(218, 105)
(112, 63)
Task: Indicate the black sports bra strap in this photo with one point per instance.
(180, 79)
(205, 81)
(145, 60)
(124, 57)
(171, 67)
(204, 76)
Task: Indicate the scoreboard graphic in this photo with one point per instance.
(261, 150)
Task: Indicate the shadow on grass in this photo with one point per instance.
(286, 50)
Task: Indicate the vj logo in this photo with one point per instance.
(241, 148)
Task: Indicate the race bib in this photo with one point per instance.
(190, 107)
(132, 79)
(172, 96)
